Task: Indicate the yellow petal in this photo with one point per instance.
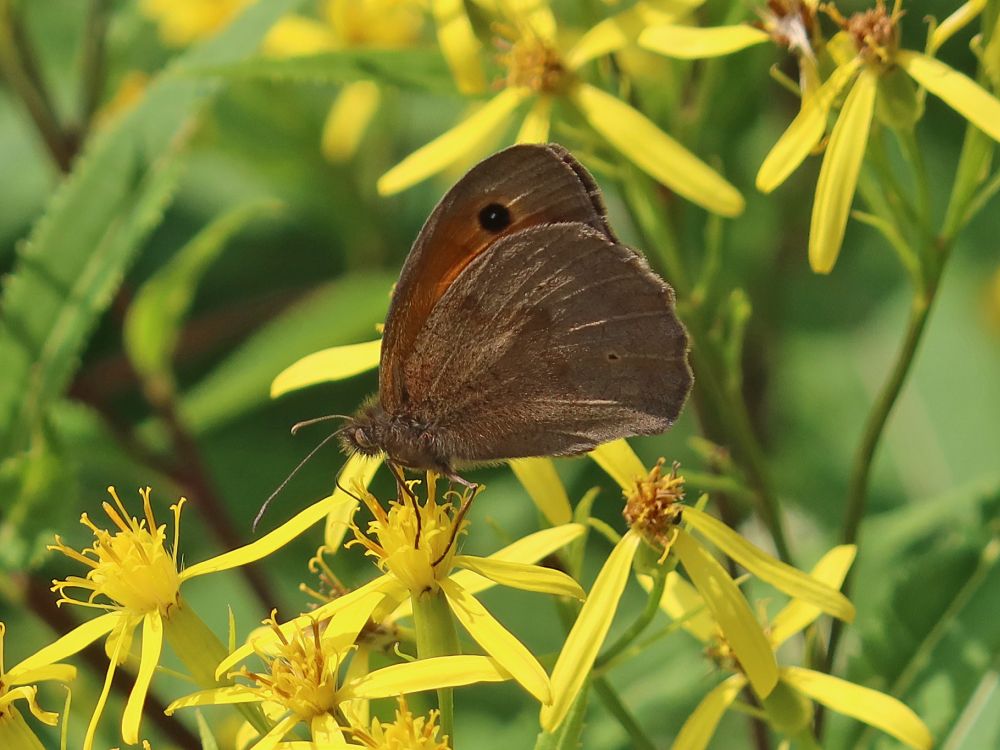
(784, 577)
(326, 733)
(348, 119)
(701, 724)
(957, 90)
(805, 131)
(589, 631)
(954, 23)
(297, 35)
(113, 661)
(357, 469)
(864, 704)
(620, 463)
(459, 44)
(461, 141)
(731, 611)
(655, 152)
(55, 672)
(426, 674)
(797, 615)
(838, 177)
(273, 738)
(221, 696)
(359, 709)
(694, 42)
(152, 644)
(522, 576)
(614, 33)
(269, 542)
(335, 363)
(538, 476)
(535, 128)
(497, 641)
(75, 640)
(679, 600)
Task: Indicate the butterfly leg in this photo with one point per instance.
(397, 473)
(466, 504)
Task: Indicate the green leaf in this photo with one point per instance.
(342, 312)
(419, 69)
(154, 320)
(67, 271)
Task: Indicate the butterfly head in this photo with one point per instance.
(402, 439)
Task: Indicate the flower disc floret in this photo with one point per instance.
(533, 63)
(407, 732)
(875, 33)
(653, 507)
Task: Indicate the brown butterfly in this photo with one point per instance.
(521, 327)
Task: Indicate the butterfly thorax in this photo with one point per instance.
(403, 439)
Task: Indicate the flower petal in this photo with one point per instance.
(426, 674)
(589, 631)
(805, 131)
(614, 33)
(459, 44)
(335, 363)
(273, 738)
(152, 645)
(731, 612)
(102, 700)
(221, 696)
(28, 694)
(797, 615)
(297, 35)
(838, 177)
(864, 704)
(791, 580)
(357, 469)
(954, 23)
(522, 576)
(620, 463)
(655, 152)
(326, 733)
(694, 42)
(497, 641)
(75, 640)
(271, 541)
(701, 724)
(348, 119)
(463, 140)
(535, 128)
(538, 476)
(957, 90)
(55, 672)
(679, 600)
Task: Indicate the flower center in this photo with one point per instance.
(301, 672)
(875, 33)
(418, 553)
(654, 507)
(407, 732)
(130, 567)
(791, 23)
(533, 63)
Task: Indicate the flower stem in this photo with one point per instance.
(609, 696)
(436, 636)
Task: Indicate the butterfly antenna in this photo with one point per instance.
(294, 471)
(309, 422)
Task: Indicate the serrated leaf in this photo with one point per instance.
(67, 271)
(417, 69)
(155, 317)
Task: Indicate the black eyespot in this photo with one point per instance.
(494, 218)
(613, 357)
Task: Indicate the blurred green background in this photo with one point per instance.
(311, 265)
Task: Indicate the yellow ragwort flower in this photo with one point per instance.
(135, 579)
(789, 707)
(407, 732)
(539, 71)
(656, 516)
(302, 675)
(874, 37)
(18, 683)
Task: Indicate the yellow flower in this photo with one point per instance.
(18, 683)
(418, 560)
(874, 35)
(181, 22)
(302, 676)
(654, 510)
(345, 24)
(789, 707)
(405, 733)
(135, 579)
(540, 72)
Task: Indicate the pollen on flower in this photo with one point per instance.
(654, 507)
(301, 671)
(131, 568)
(407, 732)
(875, 32)
(419, 552)
(531, 62)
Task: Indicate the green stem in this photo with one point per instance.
(436, 636)
(641, 622)
(609, 696)
(93, 62)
